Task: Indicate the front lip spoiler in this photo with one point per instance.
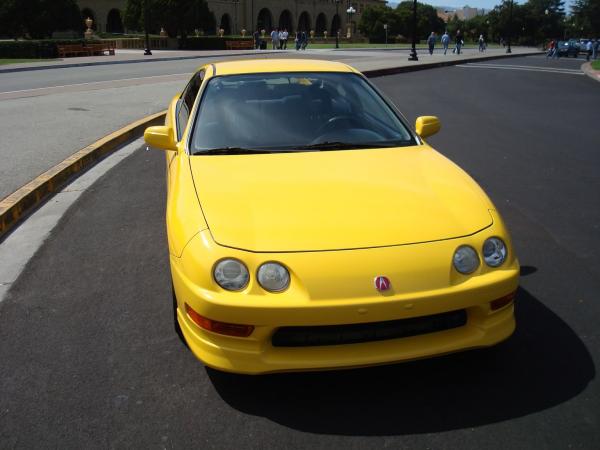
(354, 248)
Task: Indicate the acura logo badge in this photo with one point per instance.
(382, 283)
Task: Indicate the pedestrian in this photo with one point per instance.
(284, 38)
(304, 40)
(445, 41)
(459, 42)
(556, 54)
(297, 40)
(256, 36)
(275, 38)
(431, 42)
(481, 43)
(551, 46)
(588, 48)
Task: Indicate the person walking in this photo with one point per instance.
(275, 38)
(256, 36)
(550, 49)
(588, 48)
(445, 41)
(481, 43)
(431, 42)
(459, 42)
(284, 38)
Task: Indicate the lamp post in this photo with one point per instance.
(337, 32)
(508, 50)
(350, 11)
(147, 50)
(413, 50)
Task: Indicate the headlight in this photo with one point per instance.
(231, 274)
(494, 252)
(273, 277)
(465, 259)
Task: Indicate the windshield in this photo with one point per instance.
(280, 112)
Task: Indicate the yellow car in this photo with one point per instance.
(311, 228)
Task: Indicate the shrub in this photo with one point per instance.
(42, 49)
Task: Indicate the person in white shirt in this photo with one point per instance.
(275, 39)
(284, 39)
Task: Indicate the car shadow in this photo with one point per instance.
(543, 364)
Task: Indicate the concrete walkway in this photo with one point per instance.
(44, 125)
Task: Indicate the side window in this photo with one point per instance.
(186, 102)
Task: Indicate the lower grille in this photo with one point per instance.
(367, 332)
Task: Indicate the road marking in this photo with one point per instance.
(524, 68)
(118, 80)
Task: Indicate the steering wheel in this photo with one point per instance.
(334, 123)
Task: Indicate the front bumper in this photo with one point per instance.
(423, 284)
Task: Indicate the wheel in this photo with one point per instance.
(175, 321)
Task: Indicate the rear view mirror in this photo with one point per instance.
(427, 126)
(160, 137)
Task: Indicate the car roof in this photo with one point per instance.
(247, 66)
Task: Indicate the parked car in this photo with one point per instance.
(310, 227)
(568, 48)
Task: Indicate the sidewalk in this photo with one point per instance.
(48, 125)
(137, 56)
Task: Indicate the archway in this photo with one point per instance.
(265, 20)
(335, 25)
(304, 22)
(114, 23)
(285, 21)
(321, 24)
(85, 13)
(226, 24)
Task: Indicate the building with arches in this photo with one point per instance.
(235, 15)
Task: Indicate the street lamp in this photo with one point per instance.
(337, 32)
(508, 50)
(350, 12)
(146, 25)
(413, 50)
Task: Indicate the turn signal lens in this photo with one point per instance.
(503, 301)
(227, 329)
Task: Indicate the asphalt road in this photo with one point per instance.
(89, 358)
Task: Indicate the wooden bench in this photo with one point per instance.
(72, 50)
(65, 51)
(239, 45)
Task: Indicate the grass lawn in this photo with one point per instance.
(596, 64)
(20, 61)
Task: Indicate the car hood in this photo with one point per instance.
(336, 200)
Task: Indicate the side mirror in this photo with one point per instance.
(427, 126)
(160, 137)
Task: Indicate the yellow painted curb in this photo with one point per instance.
(21, 202)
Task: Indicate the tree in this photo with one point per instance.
(178, 17)
(38, 18)
(586, 16)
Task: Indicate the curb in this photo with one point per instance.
(22, 202)
(587, 69)
(453, 62)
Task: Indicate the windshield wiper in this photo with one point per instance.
(231, 151)
(337, 145)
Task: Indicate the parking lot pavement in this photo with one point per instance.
(90, 359)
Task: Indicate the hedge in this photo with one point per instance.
(42, 49)
(207, 42)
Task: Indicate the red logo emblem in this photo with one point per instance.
(382, 283)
